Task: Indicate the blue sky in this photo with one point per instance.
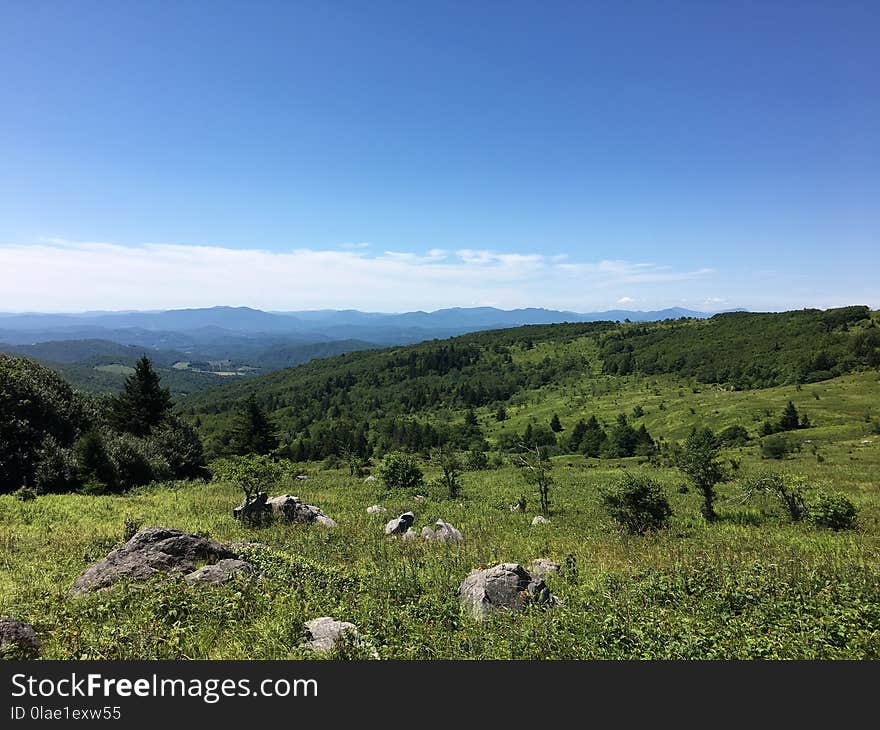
(394, 156)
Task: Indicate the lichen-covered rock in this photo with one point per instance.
(220, 572)
(18, 640)
(542, 567)
(293, 509)
(399, 525)
(152, 550)
(444, 532)
(506, 587)
(325, 634)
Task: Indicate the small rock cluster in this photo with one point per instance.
(441, 532)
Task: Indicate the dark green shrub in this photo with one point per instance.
(25, 494)
(178, 445)
(637, 503)
(55, 469)
(833, 511)
(733, 436)
(476, 461)
(775, 447)
(34, 403)
(132, 462)
(400, 471)
(93, 464)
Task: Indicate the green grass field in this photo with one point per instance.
(751, 585)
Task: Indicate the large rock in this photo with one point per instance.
(325, 633)
(18, 640)
(399, 525)
(376, 509)
(293, 509)
(506, 587)
(152, 550)
(221, 572)
(444, 532)
(542, 567)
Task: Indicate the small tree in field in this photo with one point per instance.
(536, 467)
(253, 474)
(400, 471)
(699, 461)
(451, 467)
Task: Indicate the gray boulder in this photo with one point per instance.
(506, 587)
(400, 525)
(293, 509)
(18, 640)
(444, 532)
(376, 510)
(420, 499)
(542, 567)
(409, 535)
(325, 633)
(540, 520)
(220, 572)
(152, 550)
(369, 479)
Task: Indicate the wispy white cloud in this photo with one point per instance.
(60, 275)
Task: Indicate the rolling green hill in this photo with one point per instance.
(416, 397)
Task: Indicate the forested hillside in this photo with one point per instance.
(424, 395)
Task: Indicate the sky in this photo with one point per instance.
(393, 156)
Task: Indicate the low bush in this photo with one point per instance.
(400, 471)
(637, 503)
(832, 510)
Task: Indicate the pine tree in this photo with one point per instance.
(143, 404)
(594, 438)
(253, 431)
(501, 413)
(555, 424)
(790, 418)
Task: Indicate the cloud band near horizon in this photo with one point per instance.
(63, 276)
(56, 275)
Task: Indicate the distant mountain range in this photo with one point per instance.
(194, 348)
(210, 323)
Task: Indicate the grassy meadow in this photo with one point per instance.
(752, 585)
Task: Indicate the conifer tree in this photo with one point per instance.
(253, 432)
(143, 403)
